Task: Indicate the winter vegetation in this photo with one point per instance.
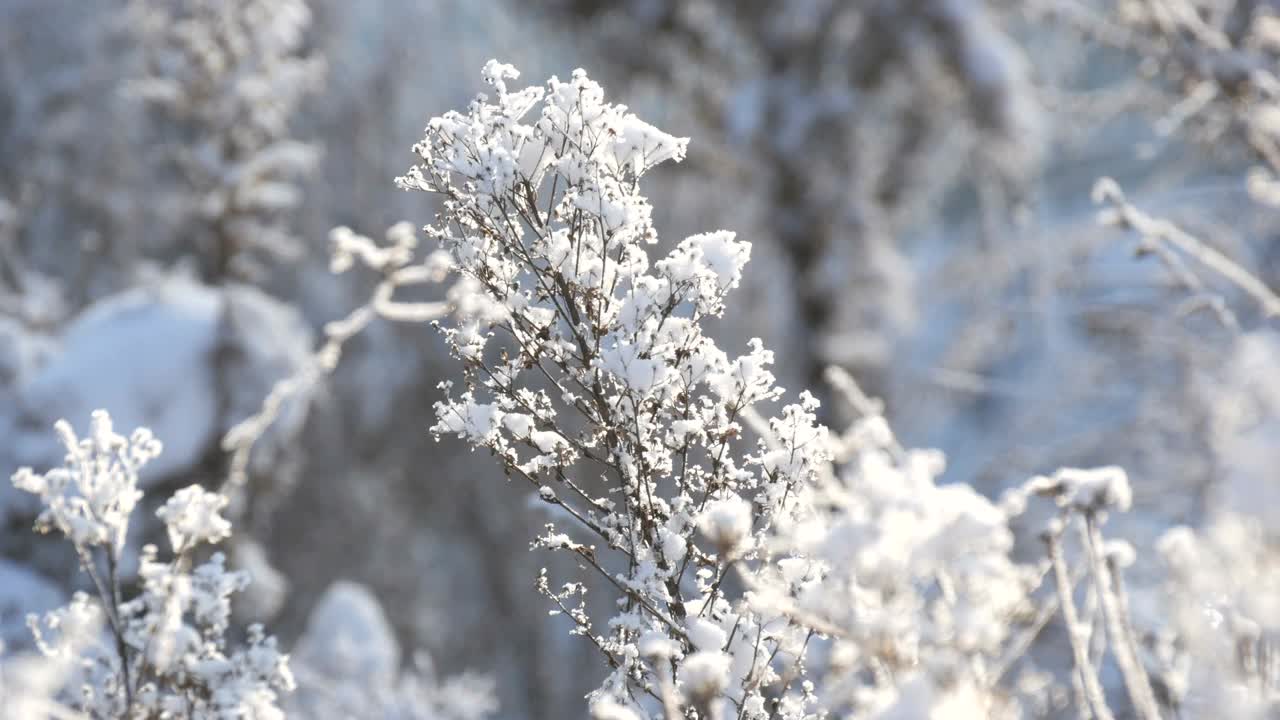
(932, 375)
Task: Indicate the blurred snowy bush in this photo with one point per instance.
(161, 643)
(231, 76)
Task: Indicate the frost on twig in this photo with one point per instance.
(1085, 497)
(1171, 244)
(395, 264)
(1084, 490)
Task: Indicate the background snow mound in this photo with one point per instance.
(348, 636)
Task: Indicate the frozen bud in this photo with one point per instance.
(103, 433)
(727, 523)
(704, 676)
(1087, 490)
(1013, 502)
(1179, 548)
(191, 517)
(403, 234)
(1120, 553)
(1106, 190)
(705, 634)
(25, 479)
(497, 73)
(657, 645)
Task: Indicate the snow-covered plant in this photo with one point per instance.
(1216, 650)
(165, 650)
(230, 76)
(1084, 498)
(912, 582)
(589, 376)
(843, 123)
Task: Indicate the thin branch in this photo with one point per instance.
(1123, 644)
(1088, 674)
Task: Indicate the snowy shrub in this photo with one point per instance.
(164, 651)
(545, 225)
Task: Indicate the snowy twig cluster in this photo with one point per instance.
(844, 122)
(156, 639)
(164, 651)
(582, 358)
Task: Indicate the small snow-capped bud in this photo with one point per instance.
(727, 523)
(191, 517)
(1120, 553)
(497, 73)
(657, 645)
(705, 634)
(403, 234)
(28, 480)
(704, 675)
(1179, 548)
(103, 433)
(1013, 502)
(1106, 190)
